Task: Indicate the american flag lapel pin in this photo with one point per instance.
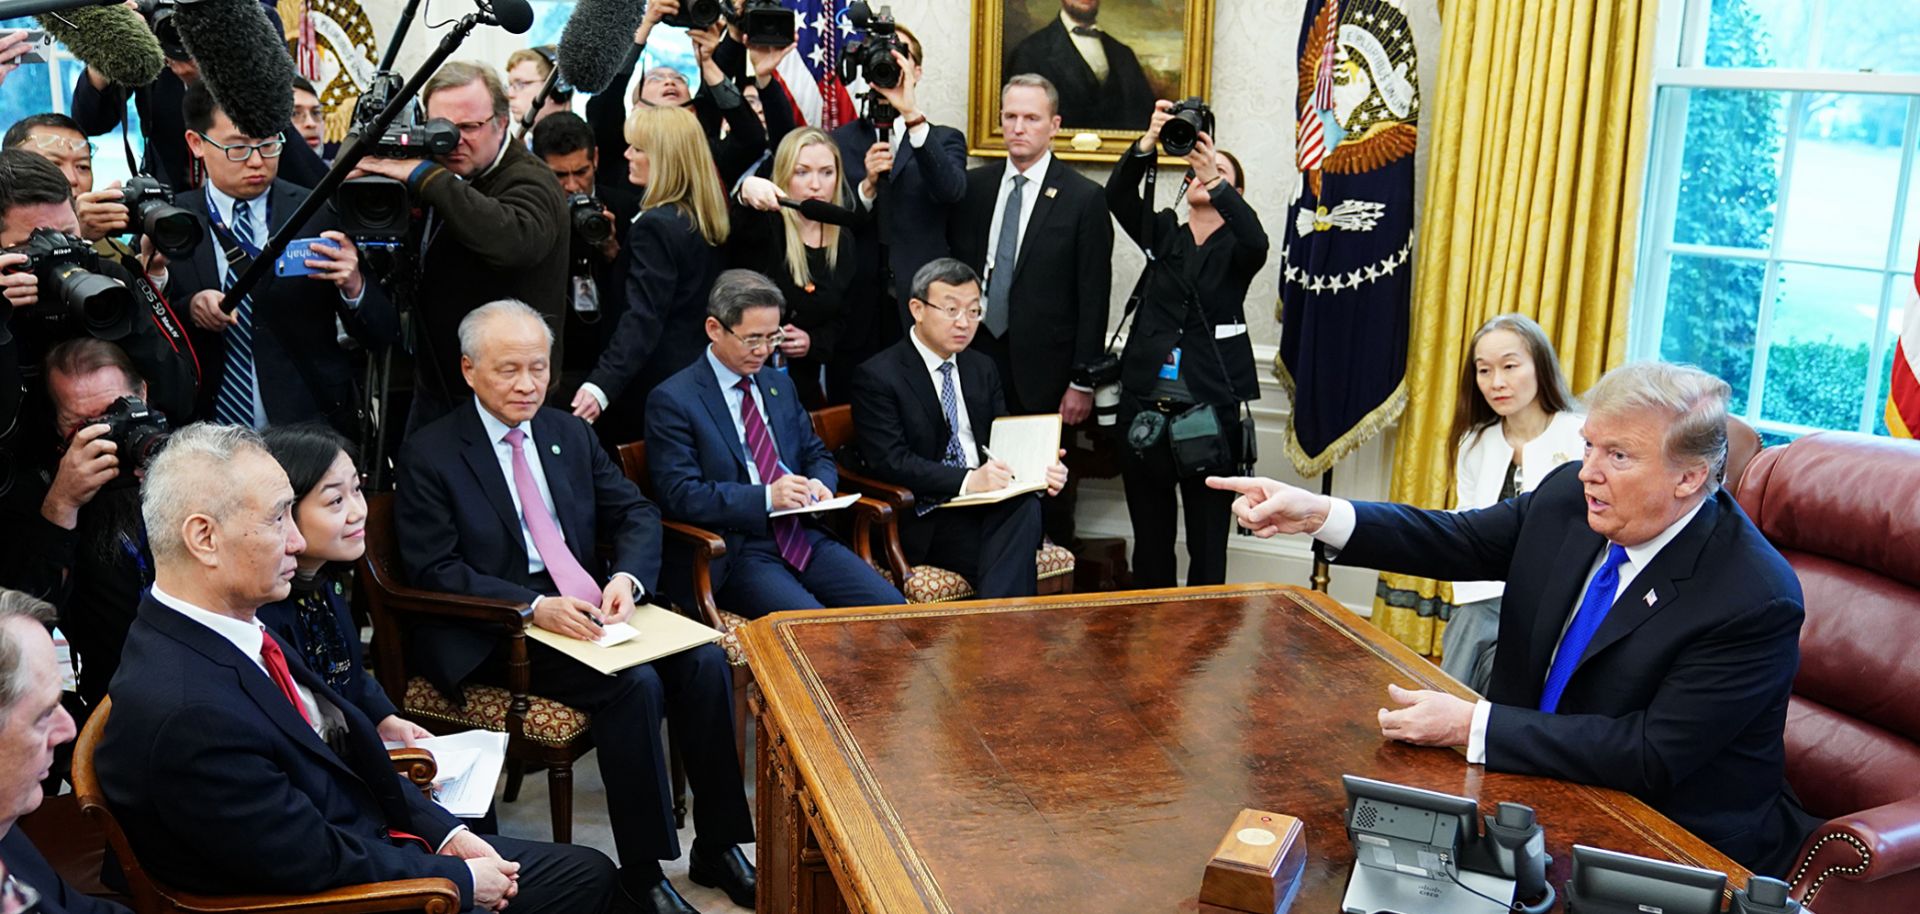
(1651, 599)
(1052, 192)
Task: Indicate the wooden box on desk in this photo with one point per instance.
(1256, 865)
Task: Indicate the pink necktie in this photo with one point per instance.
(787, 534)
(568, 576)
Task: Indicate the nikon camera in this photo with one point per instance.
(72, 290)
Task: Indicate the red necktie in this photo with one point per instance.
(277, 671)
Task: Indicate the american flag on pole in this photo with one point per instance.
(1312, 137)
(810, 71)
(1903, 395)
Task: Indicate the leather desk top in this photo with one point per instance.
(1087, 752)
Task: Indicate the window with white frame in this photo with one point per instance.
(1782, 213)
(38, 88)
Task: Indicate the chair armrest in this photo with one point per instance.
(416, 765)
(430, 896)
(899, 498)
(705, 545)
(1863, 846)
(872, 516)
(414, 601)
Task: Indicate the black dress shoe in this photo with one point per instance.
(661, 898)
(730, 873)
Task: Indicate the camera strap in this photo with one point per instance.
(161, 313)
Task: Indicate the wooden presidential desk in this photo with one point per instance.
(1087, 753)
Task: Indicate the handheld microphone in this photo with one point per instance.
(516, 16)
(111, 39)
(243, 60)
(820, 211)
(595, 42)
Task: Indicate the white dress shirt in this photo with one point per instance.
(247, 637)
(915, 135)
(729, 391)
(1338, 529)
(968, 444)
(1091, 48)
(1029, 195)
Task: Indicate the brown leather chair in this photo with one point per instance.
(152, 896)
(921, 583)
(1743, 444)
(1845, 511)
(539, 731)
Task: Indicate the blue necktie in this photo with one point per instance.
(234, 403)
(1586, 620)
(1000, 281)
(954, 457)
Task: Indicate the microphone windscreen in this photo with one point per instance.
(516, 16)
(595, 42)
(244, 61)
(822, 211)
(111, 39)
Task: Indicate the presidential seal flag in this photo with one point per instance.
(1347, 258)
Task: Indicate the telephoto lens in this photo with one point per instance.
(174, 231)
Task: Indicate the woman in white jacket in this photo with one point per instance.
(1515, 422)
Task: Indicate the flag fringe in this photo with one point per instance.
(1373, 423)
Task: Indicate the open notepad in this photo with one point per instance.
(1028, 444)
(651, 633)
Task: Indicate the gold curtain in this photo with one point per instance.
(1532, 205)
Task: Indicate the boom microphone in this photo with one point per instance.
(111, 39)
(243, 60)
(516, 16)
(594, 45)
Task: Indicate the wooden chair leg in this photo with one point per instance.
(560, 796)
(678, 766)
(515, 771)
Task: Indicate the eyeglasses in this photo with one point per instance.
(17, 897)
(240, 152)
(51, 143)
(471, 128)
(770, 341)
(954, 312)
(522, 85)
(665, 77)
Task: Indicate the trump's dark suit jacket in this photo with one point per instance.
(1680, 698)
(699, 466)
(222, 787)
(459, 532)
(902, 428)
(303, 373)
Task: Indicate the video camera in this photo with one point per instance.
(159, 16)
(1191, 117)
(870, 56)
(149, 202)
(136, 430)
(71, 288)
(378, 209)
(765, 22)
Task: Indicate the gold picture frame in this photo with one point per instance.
(1190, 74)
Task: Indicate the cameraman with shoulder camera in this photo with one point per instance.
(275, 357)
(56, 287)
(76, 515)
(1188, 351)
(496, 227)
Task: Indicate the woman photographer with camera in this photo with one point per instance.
(1188, 365)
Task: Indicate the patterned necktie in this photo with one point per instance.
(276, 662)
(233, 404)
(954, 456)
(1000, 281)
(571, 579)
(1586, 620)
(787, 535)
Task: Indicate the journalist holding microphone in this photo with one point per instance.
(1188, 351)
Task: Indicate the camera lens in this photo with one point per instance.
(173, 230)
(105, 306)
(373, 208)
(1177, 136)
(883, 72)
(590, 225)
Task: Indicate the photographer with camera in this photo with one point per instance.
(99, 105)
(275, 357)
(76, 514)
(496, 227)
(1188, 358)
(57, 287)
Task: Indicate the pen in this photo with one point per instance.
(983, 450)
(782, 464)
(592, 618)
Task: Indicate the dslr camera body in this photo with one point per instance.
(72, 290)
(149, 202)
(136, 430)
(1191, 117)
(591, 227)
(765, 22)
(870, 56)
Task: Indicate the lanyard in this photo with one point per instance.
(226, 235)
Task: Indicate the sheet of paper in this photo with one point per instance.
(831, 504)
(617, 633)
(657, 632)
(467, 769)
(1028, 444)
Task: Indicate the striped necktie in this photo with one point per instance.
(787, 533)
(954, 456)
(234, 404)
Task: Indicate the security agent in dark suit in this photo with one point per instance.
(32, 725)
(1100, 81)
(1188, 345)
(495, 227)
(276, 357)
(923, 412)
(1649, 635)
(1048, 264)
(231, 766)
(729, 444)
(466, 484)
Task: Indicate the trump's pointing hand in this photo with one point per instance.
(1269, 508)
